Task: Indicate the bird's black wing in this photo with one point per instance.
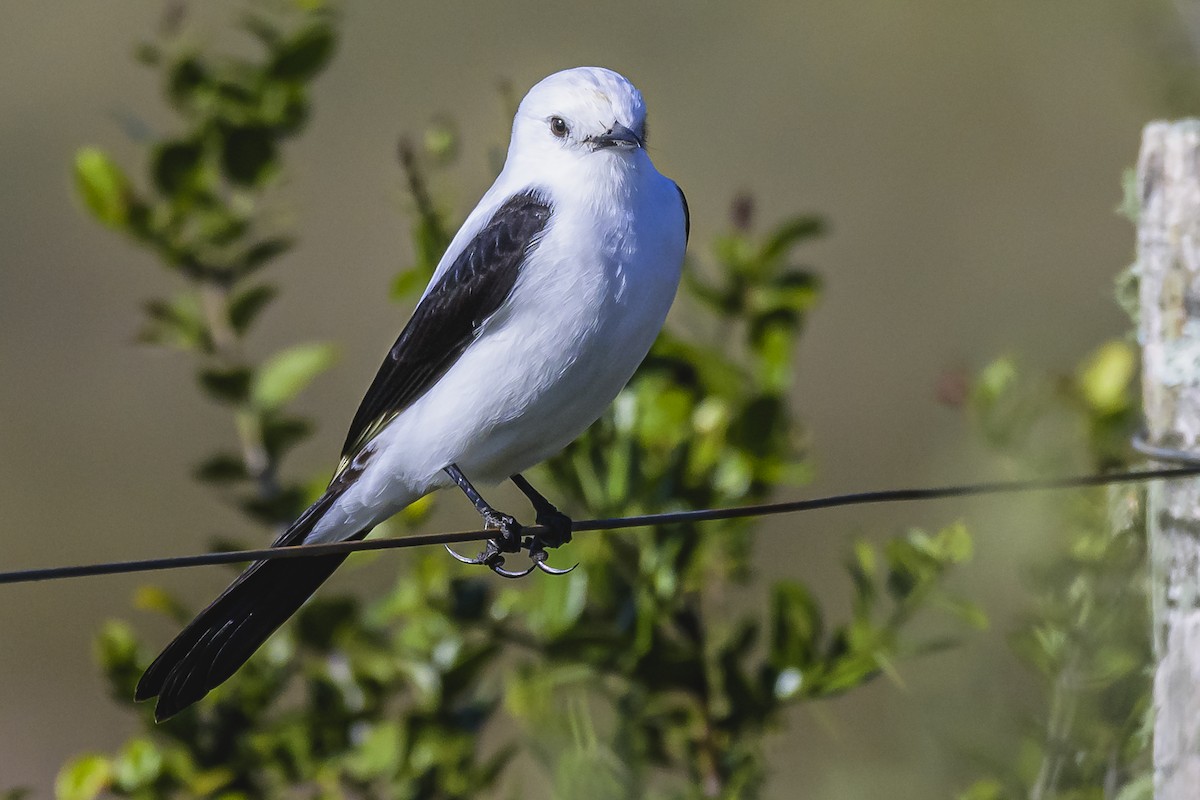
(687, 215)
(450, 315)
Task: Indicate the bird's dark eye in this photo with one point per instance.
(558, 126)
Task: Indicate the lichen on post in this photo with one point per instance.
(1168, 267)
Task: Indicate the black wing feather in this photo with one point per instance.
(687, 215)
(449, 317)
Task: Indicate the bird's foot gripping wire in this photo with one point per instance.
(509, 541)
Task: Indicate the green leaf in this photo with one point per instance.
(984, 790)
(1112, 663)
(185, 79)
(116, 651)
(760, 425)
(996, 379)
(953, 544)
(207, 782)
(735, 252)
(1140, 788)
(287, 373)
(304, 55)
(375, 754)
(281, 433)
(687, 363)
(138, 765)
(178, 322)
(249, 155)
(320, 619)
(968, 612)
(719, 299)
(261, 253)
(116, 645)
(406, 282)
(864, 571)
(84, 778)
(103, 186)
(245, 306)
(221, 468)
(1105, 378)
(795, 291)
(282, 508)
(909, 567)
(175, 166)
(430, 240)
(160, 601)
(664, 413)
(558, 605)
(418, 511)
(788, 235)
(227, 384)
(772, 337)
(219, 224)
(262, 28)
(796, 625)
(849, 671)
(441, 141)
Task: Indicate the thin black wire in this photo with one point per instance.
(1166, 455)
(616, 523)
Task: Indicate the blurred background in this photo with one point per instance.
(967, 156)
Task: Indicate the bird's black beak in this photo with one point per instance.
(616, 136)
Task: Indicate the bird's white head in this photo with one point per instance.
(583, 116)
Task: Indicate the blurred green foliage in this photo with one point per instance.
(654, 670)
(205, 212)
(1085, 632)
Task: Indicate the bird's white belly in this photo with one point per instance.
(523, 391)
(576, 384)
(543, 369)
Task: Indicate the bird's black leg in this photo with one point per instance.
(557, 523)
(509, 540)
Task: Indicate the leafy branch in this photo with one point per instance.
(204, 212)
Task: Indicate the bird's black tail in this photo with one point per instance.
(226, 634)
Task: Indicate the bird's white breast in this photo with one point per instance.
(589, 302)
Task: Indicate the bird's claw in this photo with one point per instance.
(510, 541)
(504, 573)
(558, 526)
(493, 559)
(536, 546)
(460, 557)
(539, 560)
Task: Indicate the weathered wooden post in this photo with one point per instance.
(1168, 263)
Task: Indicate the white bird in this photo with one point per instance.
(544, 304)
